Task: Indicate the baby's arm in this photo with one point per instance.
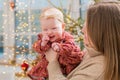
(69, 52)
(40, 46)
(45, 40)
(70, 55)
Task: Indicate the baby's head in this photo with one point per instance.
(52, 13)
(52, 23)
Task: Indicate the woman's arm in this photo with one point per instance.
(89, 69)
(53, 65)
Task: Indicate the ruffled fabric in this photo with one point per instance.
(70, 56)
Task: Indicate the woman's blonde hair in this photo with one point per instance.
(103, 28)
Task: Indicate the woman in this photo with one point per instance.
(102, 46)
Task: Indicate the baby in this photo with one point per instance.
(54, 36)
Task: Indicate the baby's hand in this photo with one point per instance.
(45, 40)
(55, 47)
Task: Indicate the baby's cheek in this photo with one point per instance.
(59, 35)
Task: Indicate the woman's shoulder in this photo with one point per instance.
(93, 59)
(97, 60)
(88, 61)
(92, 67)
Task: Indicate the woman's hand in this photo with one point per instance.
(51, 55)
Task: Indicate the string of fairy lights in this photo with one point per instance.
(19, 34)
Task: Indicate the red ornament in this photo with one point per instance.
(12, 5)
(24, 66)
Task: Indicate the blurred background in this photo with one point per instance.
(19, 25)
